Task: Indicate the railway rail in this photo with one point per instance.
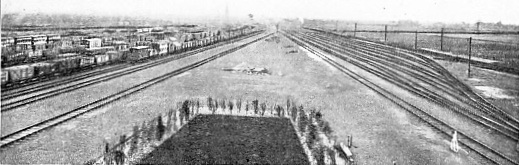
(464, 90)
(467, 141)
(66, 85)
(441, 93)
(54, 121)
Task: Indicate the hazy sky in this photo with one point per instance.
(468, 11)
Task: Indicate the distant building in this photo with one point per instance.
(120, 45)
(23, 40)
(91, 43)
(7, 42)
(51, 38)
(38, 39)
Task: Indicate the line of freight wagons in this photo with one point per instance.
(72, 62)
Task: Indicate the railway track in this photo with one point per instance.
(54, 121)
(436, 92)
(491, 155)
(477, 99)
(46, 79)
(66, 85)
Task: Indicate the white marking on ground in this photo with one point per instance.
(95, 113)
(500, 73)
(183, 74)
(493, 92)
(476, 79)
(316, 58)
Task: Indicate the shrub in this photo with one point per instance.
(293, 113)
(247, 106)
(210, 103)
(303, 121)
(134, 140)
(160, 128)
(231, 105)
(215, 105)
(263, 108)
(312, 137)
(222, 104)
(255, 106)
(197, 106)
(238, 105)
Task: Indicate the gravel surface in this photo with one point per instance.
(382, 133)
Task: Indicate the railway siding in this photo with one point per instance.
(432, 108)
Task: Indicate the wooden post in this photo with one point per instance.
(441, 40)
(385, 33)
(336, 25)
(355, 30)
(470, 54)
(416, 40)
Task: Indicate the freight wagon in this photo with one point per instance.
(66, 65)
(4, 78)
(43, 69)
(138, 53)
(115, 56)
(101, 59)
(19, 73)
(87, 61)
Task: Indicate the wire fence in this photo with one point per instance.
(501, 47)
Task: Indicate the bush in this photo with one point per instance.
(238, 105)
(160, 128)
(210, 103)
(312, 137)
(255, 106)
(293, 113)
(263, 108)
(222, 104)
(303, 121)
(231, 105)
(215, 105)
(134, 140)
(247, 106)
(197, 106)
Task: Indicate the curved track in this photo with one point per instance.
(420, 81)
(64, 86)
(49, 123)
(314, 44)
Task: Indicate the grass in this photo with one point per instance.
(220, 139)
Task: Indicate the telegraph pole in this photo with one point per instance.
(470, 54)
(355, 30)
(441, 41)
(385, 33)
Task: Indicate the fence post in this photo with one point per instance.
(385, 33)
(441, 41)
(355, 30)
(470, 54)
(416, 40)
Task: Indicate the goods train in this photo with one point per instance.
(90, 58)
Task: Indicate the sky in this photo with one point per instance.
(449, 11)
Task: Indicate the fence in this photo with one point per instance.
(314, 133)
(502, 47)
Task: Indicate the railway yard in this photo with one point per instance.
(398, 106)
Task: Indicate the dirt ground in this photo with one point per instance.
(222, 139)
(382, 132)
